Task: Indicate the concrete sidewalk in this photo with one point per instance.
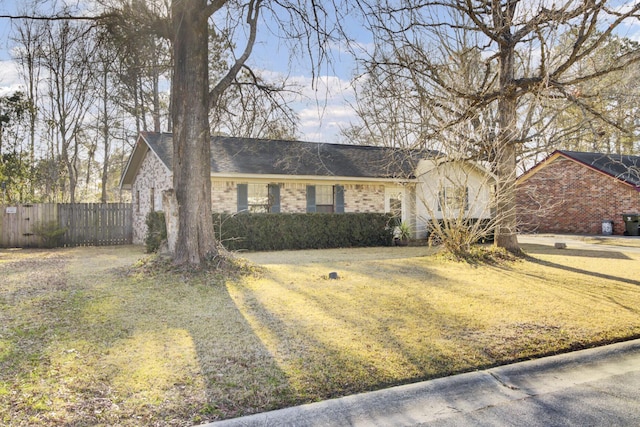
(598, 386)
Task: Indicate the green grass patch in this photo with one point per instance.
(92, 336)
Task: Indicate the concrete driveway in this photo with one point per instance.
(600, 243)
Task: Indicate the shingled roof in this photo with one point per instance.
(622, 167)
(250, 156)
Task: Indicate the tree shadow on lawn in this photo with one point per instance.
(583, 253)
(107, 347)
(241, 374)
(530, 248)
(220, 367)
(329, 255)
(338, 337)
(326, 354)
(582, 271)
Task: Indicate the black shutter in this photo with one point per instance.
(274, 198)
(339, 198)
(311, 198)
(243, 197)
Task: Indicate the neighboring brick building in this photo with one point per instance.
(574, 192)
(294, 176)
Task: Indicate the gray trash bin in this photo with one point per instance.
(631, 222)
(607, 227)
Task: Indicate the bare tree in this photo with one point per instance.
(107, 115)
(28, 38)
(253, 108)
(188, 24)
(517, 67)
(66, 56)
(604, 119)
(58, 52)
(143, 60)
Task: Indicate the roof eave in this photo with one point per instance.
(135, 160)
(133, 163)
(559, 153)
(598, 170)
(334, 178)
(539, 166)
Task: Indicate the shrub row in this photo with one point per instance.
(269, 232)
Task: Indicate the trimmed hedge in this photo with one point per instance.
(271, 232)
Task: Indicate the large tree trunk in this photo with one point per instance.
(506, 229)
(506, 235)
(191, 139)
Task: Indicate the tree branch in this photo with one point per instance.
(227, 80)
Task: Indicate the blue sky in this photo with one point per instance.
(323, 106)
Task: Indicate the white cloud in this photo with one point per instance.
(323, 123)
(327, 109)
(322, 104)
(9, 78)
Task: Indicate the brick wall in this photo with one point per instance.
(293, 197)
(567, 197)
(151, 180)
(224, 195)
(363, 198)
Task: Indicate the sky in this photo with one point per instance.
(323, 107)
(9, 78)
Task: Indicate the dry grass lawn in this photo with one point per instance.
(85, 339)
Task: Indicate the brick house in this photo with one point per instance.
(257, 175)
(575, 192)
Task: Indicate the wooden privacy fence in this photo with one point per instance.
(86, 224)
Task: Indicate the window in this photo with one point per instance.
(325, 198)
(453, 199)
(258, 198)
(137, 201)
(152, 201)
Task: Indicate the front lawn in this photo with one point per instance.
(85, 339)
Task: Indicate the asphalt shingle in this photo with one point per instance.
(280, 157)
(623, 167)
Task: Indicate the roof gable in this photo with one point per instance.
(250, 156)
(624, 168)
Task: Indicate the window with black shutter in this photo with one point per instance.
(325, 198)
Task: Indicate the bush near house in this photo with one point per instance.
(478, 230)
(268, 232)
(156, 231)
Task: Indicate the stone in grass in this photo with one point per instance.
(333, 275)
(560, 246)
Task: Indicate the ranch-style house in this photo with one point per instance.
(259, 175)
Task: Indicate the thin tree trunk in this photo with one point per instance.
(105, 137)
(191, 138)
(156, 97)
